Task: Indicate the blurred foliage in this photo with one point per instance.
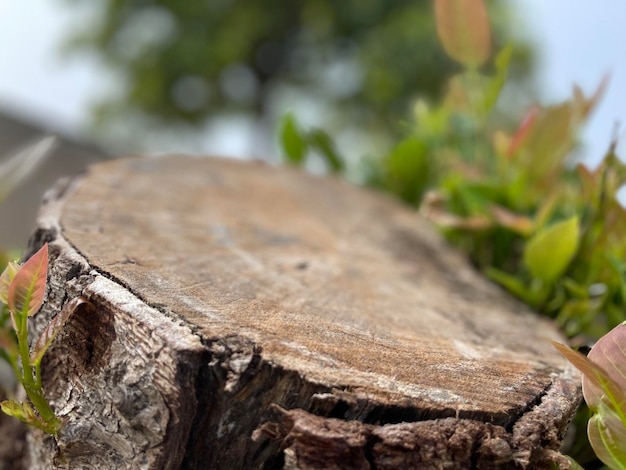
(545, 228)
(185, 61)
(298, 144)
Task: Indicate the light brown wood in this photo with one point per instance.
(223, 288)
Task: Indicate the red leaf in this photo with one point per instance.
(523, 130)
(463, 28)
(54, 327)
(29, 284)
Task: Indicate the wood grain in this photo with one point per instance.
(226, 287)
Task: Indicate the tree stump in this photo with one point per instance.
(256, 317)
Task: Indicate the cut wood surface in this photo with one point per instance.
(247, 314)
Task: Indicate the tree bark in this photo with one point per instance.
(256, 317)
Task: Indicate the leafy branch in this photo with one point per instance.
(22, 289)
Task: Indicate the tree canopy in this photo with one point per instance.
(186, 61)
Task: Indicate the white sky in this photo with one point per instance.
(579, 42)
(35, 80)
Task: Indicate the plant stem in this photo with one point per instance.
(31, 383)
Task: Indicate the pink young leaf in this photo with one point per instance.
(463, 29)
(610, 354)
(597, 383)
(29, 284)
(54, 327)
(603, 389)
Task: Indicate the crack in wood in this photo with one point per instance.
(335, 339)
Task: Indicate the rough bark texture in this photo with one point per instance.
(12, 444)
(232, 297)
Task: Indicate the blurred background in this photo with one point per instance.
(161, 76)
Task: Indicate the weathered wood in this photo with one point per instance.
(223, 289)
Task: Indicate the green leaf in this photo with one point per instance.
(463, 28)
(22, 411)
(573, 464)
(54, 327)
(495, 85)
(545, 209)
(553, 135)
(322, 142)
(6, 278)
(409, 170)
(28, 287)
(607, 436)
(511, 283)
(25, 413)
(577, 315)
(548, 253)
(293, 143)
